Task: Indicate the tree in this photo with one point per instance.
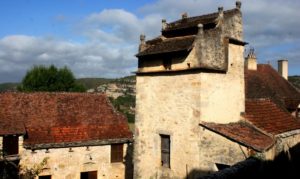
(42, 78)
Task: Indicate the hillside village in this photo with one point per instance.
(195, 108)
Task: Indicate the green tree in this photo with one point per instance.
(42, 78)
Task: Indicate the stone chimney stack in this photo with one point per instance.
(163, 24)
(219, 20)
(251, 62)
(142, 42)
(283, 68)
(184, 16)
(238, 4)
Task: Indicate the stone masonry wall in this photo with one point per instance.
(215, 149)
(170, 104)
(65, 164)
(167, 104)
(223, 94)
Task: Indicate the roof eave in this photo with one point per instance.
(77, 143)
(240, 142)
(163, 53)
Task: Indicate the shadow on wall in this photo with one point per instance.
(128, 162)
(285, 165)
(9, 170)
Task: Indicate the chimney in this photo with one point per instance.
(219, 20)
(184, 16)
(142, 42)
(251, 62)
(164, 24)
(283, 68)
(238, 4)
(220, 9)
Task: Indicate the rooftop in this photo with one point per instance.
(243, 133)
(265, 82)
(162, 45)
(53, 119)
(269, 117)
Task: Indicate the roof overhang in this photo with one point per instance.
(76, 144)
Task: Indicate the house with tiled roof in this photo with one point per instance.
(201, 106)
(79, 135)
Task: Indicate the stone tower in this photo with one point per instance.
(192, 72)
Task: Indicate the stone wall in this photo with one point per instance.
(223, 94)
(167, 104)
(215, 149)
(156, 64)
(63, 163)
(170, 104)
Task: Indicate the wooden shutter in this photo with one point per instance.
(116, 153)
(165, 150)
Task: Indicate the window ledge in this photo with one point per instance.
(11, 157)
(117, 163)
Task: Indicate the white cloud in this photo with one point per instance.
(90, 59)
(112, 37)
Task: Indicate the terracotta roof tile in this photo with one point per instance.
(268, 116)
(61, 117)
(265, 82)
(190, 22)
(11, 127)
(243, 133)
(168, 45)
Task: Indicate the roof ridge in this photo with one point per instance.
(209, 15)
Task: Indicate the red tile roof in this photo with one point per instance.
(268, 116)
(11, 127)
(265, 82)
(242, 133)
(168, 45)
(183, 26)
(54, 118)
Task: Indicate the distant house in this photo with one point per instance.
(79, 135)
(200, 107)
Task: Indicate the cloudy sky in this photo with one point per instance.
(99, 38)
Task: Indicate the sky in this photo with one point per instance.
(99, 38)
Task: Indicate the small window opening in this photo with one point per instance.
(165, 150)
(209, 26)
(45, 177)
(88, 175)
(10, 145)
(221, 166)
(167, 63)
(116, 153)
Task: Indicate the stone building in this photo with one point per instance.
(78, 135)
(198, 109)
